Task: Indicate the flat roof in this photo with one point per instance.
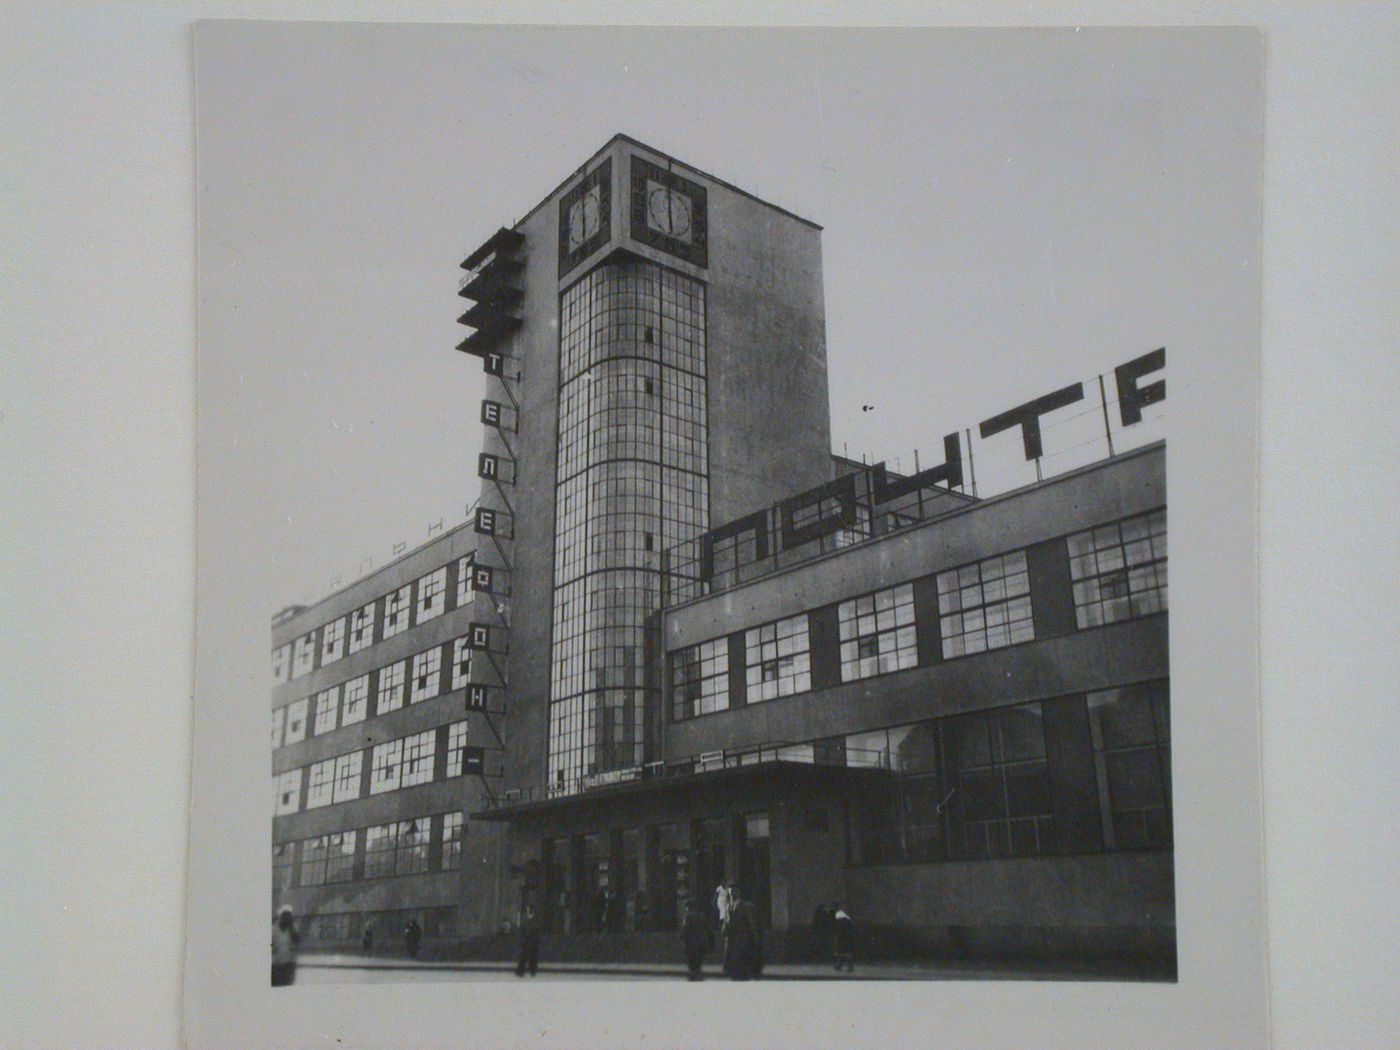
(286, 615)
(971, 507)
(620, 137)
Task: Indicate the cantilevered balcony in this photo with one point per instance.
(503, 243)
(489, 335)
(484, 313)
(493, 280)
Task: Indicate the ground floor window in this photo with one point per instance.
(379, 932)
(1000, 772)
(981, 786)
(397, 849)
(1132, 759)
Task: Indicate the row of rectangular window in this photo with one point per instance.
(398, 848)
(414, 603)
(1118, 572)
(348, 703)
(981, 786)
(404, 762)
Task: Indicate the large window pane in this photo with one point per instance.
(1119, 571)
(985, 606)
(1132, 756)
(778, 659)
(877, 633)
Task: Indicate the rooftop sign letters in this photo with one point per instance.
(838, 505)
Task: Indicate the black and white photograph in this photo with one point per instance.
(699, 497)
(571, 525)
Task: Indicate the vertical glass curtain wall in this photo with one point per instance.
(632, 482)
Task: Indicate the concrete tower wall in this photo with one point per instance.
(768, 428)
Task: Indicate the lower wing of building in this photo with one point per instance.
(957, 729)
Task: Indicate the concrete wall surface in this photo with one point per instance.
(1105, 657)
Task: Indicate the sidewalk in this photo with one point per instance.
(874, 971)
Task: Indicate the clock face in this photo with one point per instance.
(584, 217)
(668, 212)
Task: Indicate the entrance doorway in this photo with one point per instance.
(755, 872)
(670, 853)
(555, 897)
(588, 901)
(710, 836)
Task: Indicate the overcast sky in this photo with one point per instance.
(1004, 212)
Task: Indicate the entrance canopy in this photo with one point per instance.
(785, 766)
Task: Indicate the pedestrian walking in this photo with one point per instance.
(529, 958)
(412, 936)
(843, 940)
(697, 937)
(367, 939)
(285, 939)
(743, 948)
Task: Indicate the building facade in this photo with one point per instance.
(682, 644)
(654, 345)
(374, 755)
(956, 724)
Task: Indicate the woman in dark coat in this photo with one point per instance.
(743, 951)
(695, 933)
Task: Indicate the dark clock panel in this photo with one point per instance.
(668, 213)
(585, 215)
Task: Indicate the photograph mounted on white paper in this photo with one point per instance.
(703, 495)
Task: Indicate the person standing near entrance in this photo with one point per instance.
(723, 901)
(367, 938)
(743, 952)
(412, 935)
(285, 939)
(529, 959)
(697, 937)
(843, 941)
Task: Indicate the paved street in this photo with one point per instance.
(336, 969)
(342, 969)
